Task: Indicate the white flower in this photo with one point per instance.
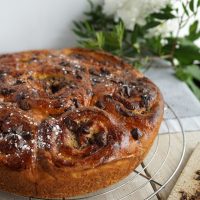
(132, 11)
(164, 29)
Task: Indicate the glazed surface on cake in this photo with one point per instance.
(73, 110)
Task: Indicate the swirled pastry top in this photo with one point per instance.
(73, 108)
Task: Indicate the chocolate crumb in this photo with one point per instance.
(196, 196)
(184, 195)
(198, 172)
(198, 175)
(197, 178)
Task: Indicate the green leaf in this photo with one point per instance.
(91, 4)
(111, 41)
(191, 5)
(80, 33)
(186, 52)
(185, 9)
(90, 43)
(136, 34)
(188, 74)
(193, 71)
(181, 74)
(193, 87)
(193, 27)
(163, 16)
(198, 3)
(193, 33)
(100, 39)
(77, 25)
(120, 33)
(152, 24)
(154, 45)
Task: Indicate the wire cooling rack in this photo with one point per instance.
(154, 173)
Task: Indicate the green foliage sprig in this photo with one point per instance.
(102, 32)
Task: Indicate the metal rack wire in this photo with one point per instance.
(150, 177)
(148, 171)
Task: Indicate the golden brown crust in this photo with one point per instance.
(72, 121)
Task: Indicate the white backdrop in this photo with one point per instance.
(37, 24)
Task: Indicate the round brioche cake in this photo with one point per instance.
(72, 121)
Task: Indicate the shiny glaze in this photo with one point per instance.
(73, 107)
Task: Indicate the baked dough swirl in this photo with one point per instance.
(72, 121)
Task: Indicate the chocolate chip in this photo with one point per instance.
(54, 88)
(26, 135)
(145, 100)
(78, 56)
(34, 58)
(108, 98)
(71, 125)
(20, 96)
(84, 127)
(24, 105)
(93, 72)
(100, 139)
(78, 76)
(100, 104)
(30, 78)
(104, 72)
(18, 82)
(123, 111)
(55, 84)
(64, 63)
(4, 55)
(127, 90)
(7, 91)
(76, 103)
(136, 133)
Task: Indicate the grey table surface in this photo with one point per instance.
(178, 95)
